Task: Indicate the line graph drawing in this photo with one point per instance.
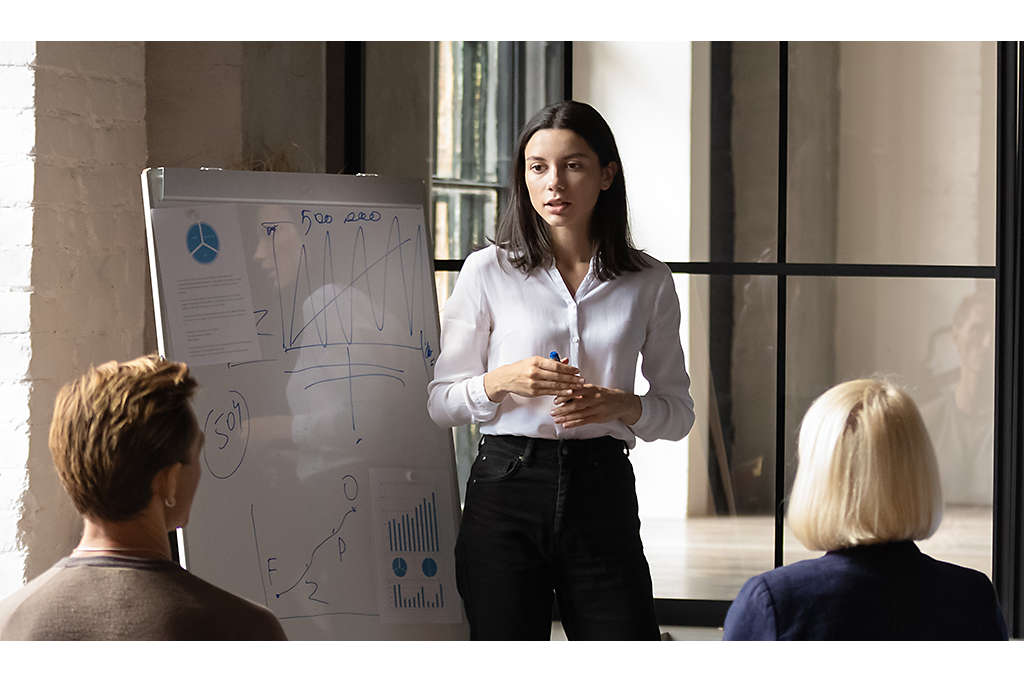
(312, 555)
(329, 311)
(329, 562)
(335, 297)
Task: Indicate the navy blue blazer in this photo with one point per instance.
(881, 592)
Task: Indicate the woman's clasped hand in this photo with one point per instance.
(592, 404)
(576, 402)
(532, 377)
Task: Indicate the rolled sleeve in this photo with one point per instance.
(483, 409)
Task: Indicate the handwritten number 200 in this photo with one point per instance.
(308, 217)
(354, 216)
(231, 422)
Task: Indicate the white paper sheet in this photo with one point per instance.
(207, 294)
(415, 541)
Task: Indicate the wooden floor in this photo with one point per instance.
(711, 557)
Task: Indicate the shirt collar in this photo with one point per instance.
(588, 283)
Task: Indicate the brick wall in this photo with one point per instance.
(74, 266)
(17, 175)
(78, 123)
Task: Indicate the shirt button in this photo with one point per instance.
(575, 339)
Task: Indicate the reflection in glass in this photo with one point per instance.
(706, 502)
(960, 415)
(934, 337)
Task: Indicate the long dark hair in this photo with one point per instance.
(524, 235)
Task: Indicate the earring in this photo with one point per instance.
(170, 502)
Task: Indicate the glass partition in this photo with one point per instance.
(933, 337)
(706, 502)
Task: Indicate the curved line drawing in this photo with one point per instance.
(356, 376)
(346, 479)
(321, 311)
(344, 364)
(334, 531)
(395, 246)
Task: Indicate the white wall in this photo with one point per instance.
(643, 91)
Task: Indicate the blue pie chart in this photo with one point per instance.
(202, 242)
(429, 567)
(399, 567)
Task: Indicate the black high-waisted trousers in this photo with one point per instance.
(550, 519)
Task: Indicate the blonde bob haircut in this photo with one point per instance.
(866, 470)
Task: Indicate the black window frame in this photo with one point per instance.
(1008, 474)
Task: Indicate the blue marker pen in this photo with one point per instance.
(554, 356)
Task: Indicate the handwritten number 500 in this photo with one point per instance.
(308, 217)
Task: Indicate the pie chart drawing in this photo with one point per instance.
(202, 242)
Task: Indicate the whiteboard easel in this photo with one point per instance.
(327, 493)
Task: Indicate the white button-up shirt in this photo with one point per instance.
(496, 316)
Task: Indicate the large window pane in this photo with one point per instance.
(463, 220)
(935, 338)
(892, 153)
(473, 95)
(706, 502)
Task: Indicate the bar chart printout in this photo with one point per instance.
(416, 531)
(419, 599)
(415, 546)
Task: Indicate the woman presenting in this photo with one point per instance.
(551, 507)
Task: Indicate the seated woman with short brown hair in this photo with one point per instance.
(126, 445)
